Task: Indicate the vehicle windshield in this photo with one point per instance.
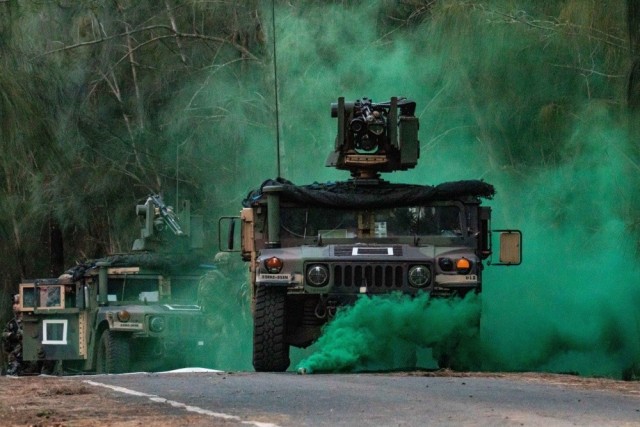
(182, 290)
(441, 220)
(133, 289)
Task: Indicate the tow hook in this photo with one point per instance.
(321, 310)
(332, 307)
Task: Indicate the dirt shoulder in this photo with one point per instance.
(68, 401)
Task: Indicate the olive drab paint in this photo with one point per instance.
(128, 311)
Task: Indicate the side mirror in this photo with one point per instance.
(227, 227)
(232, 228)
(510, 247)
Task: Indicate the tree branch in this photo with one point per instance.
(567, 27)
(174, 27)
(173, 32)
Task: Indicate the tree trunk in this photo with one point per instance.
(56, 249)
(633, 23)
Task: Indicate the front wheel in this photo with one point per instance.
(270, 349)
(114, 355)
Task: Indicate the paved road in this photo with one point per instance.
(377, 399)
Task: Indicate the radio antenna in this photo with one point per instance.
(275, 83)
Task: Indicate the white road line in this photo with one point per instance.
(158, 399)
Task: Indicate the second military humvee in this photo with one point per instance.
(123, 312)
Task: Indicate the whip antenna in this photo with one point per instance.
(275, 83)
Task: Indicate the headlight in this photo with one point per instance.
(419, 276)
(156, 324)
(318, 275)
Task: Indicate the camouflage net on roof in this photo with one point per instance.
(353, 195)
(168, 263)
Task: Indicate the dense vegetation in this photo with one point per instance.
(104, 102)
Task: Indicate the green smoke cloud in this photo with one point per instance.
(381, 333)
(573, 306)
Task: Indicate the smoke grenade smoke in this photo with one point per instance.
(385, 332)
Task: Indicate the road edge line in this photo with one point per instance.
(190, 408)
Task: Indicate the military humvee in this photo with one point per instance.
(129, 311)
(314, 248)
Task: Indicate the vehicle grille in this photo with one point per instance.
(185, 325)
(379, 275)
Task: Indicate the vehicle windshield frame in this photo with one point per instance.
(405, 223)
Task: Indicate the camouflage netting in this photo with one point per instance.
(352, 195)
(149, 260)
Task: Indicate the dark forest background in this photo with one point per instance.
(104, 102)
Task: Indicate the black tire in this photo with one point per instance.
(444, 361)
(270, 349)
(114, 354)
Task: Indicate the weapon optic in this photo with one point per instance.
(375, 137)
(167, 214)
